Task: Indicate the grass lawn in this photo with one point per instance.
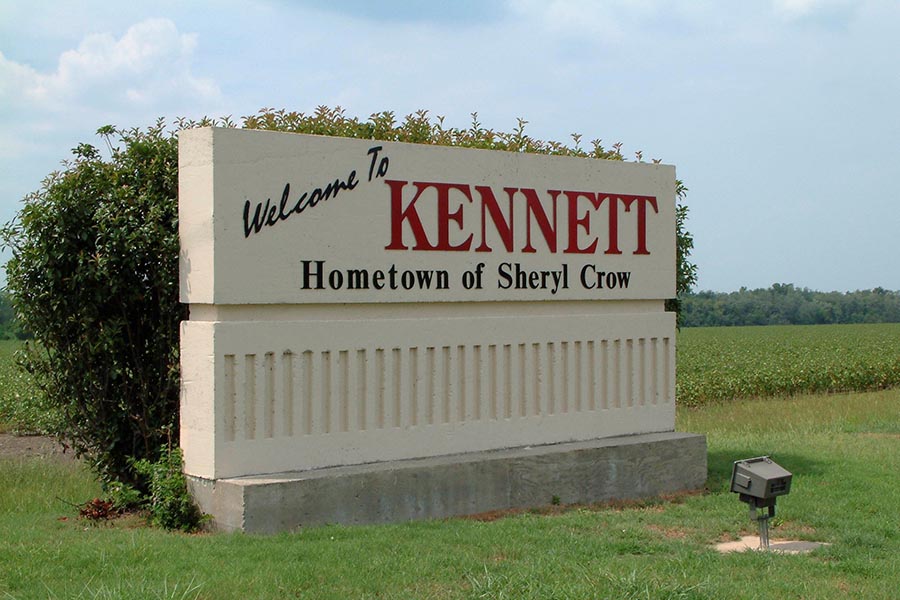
(844, 451)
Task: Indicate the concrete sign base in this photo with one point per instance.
(636, 466)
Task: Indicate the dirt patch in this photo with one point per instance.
(797, 528)
(656, 504)
(28, 446)
(879, 435)
(670, 533)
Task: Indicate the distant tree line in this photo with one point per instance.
(784, 304)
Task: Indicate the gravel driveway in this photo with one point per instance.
(14, 446)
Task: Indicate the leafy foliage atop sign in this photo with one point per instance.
(419, 128)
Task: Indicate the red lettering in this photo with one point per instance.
(410, 214)
(503, 226)
(584, 221)
(445, 216)
(642, 202)
(534, 206)
(405, 218)
(613, 206)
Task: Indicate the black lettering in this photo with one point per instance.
(357, 279)
(506, 279)
(301, 203)
(256, 224)
(284, 200)
(314, 197)
(373, 151)
(313, 276)
(521, 278)
(269, 214)
(320, 265)
(425, 278)
(272, 213)
(585, 283)
(393, 276)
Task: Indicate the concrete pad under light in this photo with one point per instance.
(751, 542)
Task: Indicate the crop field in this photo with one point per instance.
(21, 409)
(15, 388)
(724, 363)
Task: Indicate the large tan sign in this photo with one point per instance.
(284, 219)
(356, 301)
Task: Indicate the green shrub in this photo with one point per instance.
(123, 497)
(94, 276)
(169, 504)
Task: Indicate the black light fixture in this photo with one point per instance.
(759, 481)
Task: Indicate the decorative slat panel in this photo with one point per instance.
(430, 390)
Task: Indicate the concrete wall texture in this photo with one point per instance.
(632, 467)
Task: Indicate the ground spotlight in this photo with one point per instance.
(759, 481)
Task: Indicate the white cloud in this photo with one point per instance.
(148, 65)
(824, 11)
(607, 20)
(795, 7)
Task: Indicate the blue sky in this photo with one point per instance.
(781, 116)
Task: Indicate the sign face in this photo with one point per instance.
(300, 219)
(538, 284)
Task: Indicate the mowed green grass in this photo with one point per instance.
(843, 449)
(722, 363)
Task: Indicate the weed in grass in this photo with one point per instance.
(124, 590)
(97, 510)
(642, 586)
